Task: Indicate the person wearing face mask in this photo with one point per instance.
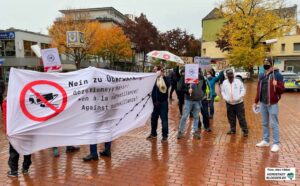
(269, 90)
(160, 102)
(233, 92)
(212, 80)
(194, 93)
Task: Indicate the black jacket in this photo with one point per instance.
(159, 97)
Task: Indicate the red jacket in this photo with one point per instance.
(4, 114)
(274, 93)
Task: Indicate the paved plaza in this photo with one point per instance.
(216, 159)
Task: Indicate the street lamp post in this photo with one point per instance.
(133, 46)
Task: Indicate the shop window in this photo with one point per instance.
(7, 48)
(27, 48)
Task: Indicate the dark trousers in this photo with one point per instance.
(93, 148)
(180, 96)
(237, 111)
(173, 88)
(205, 114)
(13, 160)
(161, 111)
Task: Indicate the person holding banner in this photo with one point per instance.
(194, 94)
(233, 92)
(160, 102)
(94, 154)
(14, 156)
(269, 90)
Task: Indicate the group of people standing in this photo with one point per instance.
(194, 99)
(197, 98)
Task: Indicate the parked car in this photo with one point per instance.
(291, 81)
(239, 73)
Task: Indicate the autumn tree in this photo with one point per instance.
(143, 33)
(114, 45)
(180, 43)
(76, 21)
(248, 24)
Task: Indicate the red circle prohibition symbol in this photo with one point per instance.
(29, 87)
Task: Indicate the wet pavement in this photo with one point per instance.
(216, 159)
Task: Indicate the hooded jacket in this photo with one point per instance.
(274, 92)
(234, 92)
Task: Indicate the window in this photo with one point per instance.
(282, 47)
(27, 48)
(7, 48)
(297, 47)
(44, 45)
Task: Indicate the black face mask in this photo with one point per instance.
(230, 78)
(267, 67)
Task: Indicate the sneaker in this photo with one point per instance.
(55, 152)
(164, 139)
(105, 153)
(25, 171)
(231, 132)
(263, 144)
(196, 135)
(12, 174)
(179, 135)
(275, 148)
(150, 137)
(72, 149)
(90, 158)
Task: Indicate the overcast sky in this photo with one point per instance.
(38, 15)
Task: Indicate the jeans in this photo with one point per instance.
(237, 111)
(161, 111)
(204, 113)
(13, 160)
(269, 115)
(93, 148)
(190, 106)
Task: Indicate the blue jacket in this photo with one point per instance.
(212, 83)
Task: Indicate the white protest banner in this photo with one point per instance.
(51, 60)
(203, 62)
(88, 106)
(191, 73)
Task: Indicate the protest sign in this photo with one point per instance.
(51, 60)
(203, 62)
(88, 106)
(191, 73)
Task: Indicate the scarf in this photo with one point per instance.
(161, 84)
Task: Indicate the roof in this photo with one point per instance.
(92, 10)
(26, 31)
(214, 14)
(284, 12)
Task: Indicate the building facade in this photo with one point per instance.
(107, 16)
(286, 52)
(15, 49)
